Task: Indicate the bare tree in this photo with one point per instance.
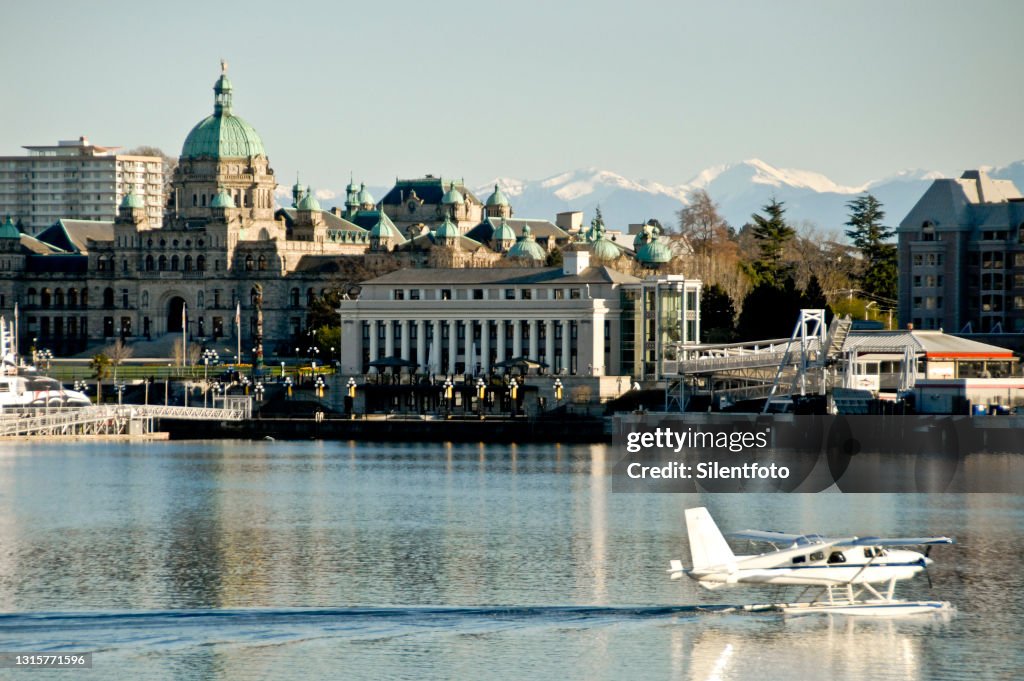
(118, 353)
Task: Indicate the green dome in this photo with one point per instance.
(604, 249)
(222, 200)
(8, 230)
(365, 197)
(452, 196)
(222, 135)
(448, 230)
(639, 240)
(503, 233)
(654, 252)
(527, 247)
(308, 202)
(132, 200)
(497, 198)
(383, 230)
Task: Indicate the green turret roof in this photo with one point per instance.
(604, 249)
(222, 200)
(497, 198)
(453, 195)
(447, 230)
(8, 230)
(132, 200)
(308, 202)
(503, 233)
(365, 197)
(385, 229)
(527, 247)
(222, 135)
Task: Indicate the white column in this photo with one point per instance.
(566, 349)
(453, 345)
(500, 332)
(485, 345)
(517, 338)
(549, 343)
(436, 348)
(421, 343)
(374, 349)
(406, 326)
(389, 338)
(533, 339)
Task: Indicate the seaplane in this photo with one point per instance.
(843, 570)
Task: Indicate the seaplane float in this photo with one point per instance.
(842, 570)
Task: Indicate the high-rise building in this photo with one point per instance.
(75, 179)
(961, 256)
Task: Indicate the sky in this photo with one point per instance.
(856, 90)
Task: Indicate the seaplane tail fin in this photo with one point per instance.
(707, 545)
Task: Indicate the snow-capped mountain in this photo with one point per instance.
(740, 189)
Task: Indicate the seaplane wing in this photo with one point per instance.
(777, 537)
(899, 541)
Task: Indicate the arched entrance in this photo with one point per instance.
(174, 314)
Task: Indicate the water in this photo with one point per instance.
(252, 560)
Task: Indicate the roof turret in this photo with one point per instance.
(222, 200)
(497, 198)
(132, 200)
(654, 253)
(8, 230)
(365, 197)
(222, 135)
(308, 202)
(453, 196)
(447, 230)
(527, 247)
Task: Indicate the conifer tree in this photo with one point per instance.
(772, 234)
(869, 235)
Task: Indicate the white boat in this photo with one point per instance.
(24, 388)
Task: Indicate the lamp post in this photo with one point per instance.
(448, 396)
(513, 394)
(258, 389)
(558, 391)
(120, 390)
(319, 385)
(209, 355)
(245, 383)
(81, 386)
(481, 393)
(288, 385)
(350, 397)
(45, 356)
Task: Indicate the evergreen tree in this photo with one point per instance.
(772, 233)
(869, 235)
(770, 311)
(717, 315)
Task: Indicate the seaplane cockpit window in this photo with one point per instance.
(799, 559)
(817, 555)
(836, 557)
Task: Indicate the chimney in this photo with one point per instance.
(574, 262)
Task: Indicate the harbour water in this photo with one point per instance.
(253, 560)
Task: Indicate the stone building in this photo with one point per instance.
(961, 256)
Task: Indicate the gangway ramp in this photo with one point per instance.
(109, 419)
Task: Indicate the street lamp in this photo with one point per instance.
(120, 390)
(350, 397)
(448, 395)
(81, 386)
(558, 391)
(513, 393)
(258, 389)
(319, 385)
(868, 307)
(481, 393)
(288, 384)
(209, 355)
(245, 383)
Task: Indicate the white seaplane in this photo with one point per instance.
(849, 565)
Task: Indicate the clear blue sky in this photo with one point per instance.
(654, 90)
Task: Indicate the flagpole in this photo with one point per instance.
(238, 331)
(184, 336)
(15, 344)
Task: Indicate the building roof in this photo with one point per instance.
(427, 240)
(71, 236)
(542, 229)
(8, 230)
(222, 200)
(598, 274)
(132, 200)
(332, 221)
(933, 344)
(308, 202)
(972, 200)
(497, 198)
(428, 189)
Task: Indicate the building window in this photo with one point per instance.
(574, 294)
(262, 264)
(149, 263)
(174, 262)
(446, 294)
(527, 293)
(108, 298)
(249, 263)
(414, 294)
(188, 263)
(124, 298)
(163, 263)
(294, 297)
(559, 294)
(310, 297)
(478, 294)
(510, 294)
(927, 232)
(398, 294)
(201, 263)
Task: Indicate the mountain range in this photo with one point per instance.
(740, 189)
